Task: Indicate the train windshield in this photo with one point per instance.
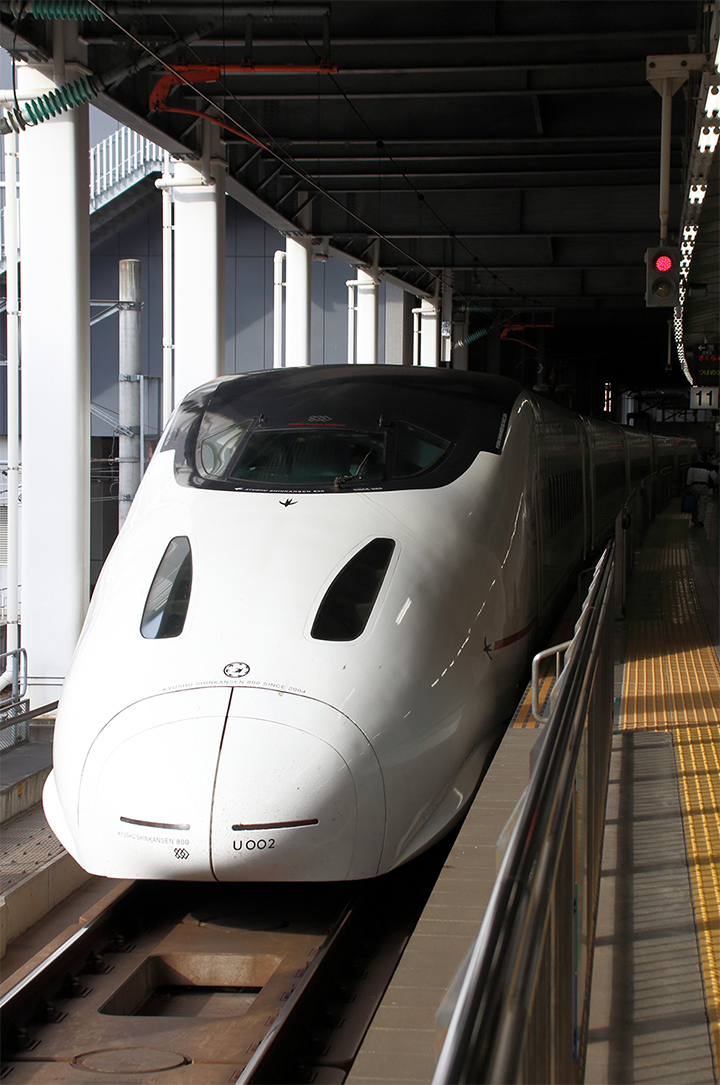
(317, 456)
(338, 429)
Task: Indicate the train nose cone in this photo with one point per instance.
(146, 788)
(234, 785)
(298, 793)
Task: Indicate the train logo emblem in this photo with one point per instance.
(236, 670)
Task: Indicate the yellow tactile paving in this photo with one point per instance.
(524, 716)
(672, 683)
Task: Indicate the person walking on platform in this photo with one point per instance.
(702, 480)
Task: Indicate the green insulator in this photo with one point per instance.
(59, 101)
(64, 9)
(474, 336)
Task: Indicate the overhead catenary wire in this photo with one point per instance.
(83, 90)
(269, 145)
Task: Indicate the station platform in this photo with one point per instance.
(655, 1009)
(655, 1003)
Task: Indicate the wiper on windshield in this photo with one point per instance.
(342, 480)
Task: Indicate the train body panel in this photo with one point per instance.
(286, 675)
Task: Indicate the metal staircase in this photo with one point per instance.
(116, 164)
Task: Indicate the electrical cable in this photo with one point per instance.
(83, 90)
(278, 154)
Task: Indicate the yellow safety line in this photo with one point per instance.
(672, 683)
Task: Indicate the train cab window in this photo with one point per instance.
(338, 429)
(310, 457)
(348, 602)
(416, 449)
(167, 603)
(217, 447)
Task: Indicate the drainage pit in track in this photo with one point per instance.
(213, 985)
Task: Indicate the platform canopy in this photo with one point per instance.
(512, 141)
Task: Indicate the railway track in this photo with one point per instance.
(208, 983)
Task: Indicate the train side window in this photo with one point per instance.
(167, 603)
(348, 603)
(416, 449)
(218, 447)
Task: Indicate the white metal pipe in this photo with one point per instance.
(129, 385)
(298, 262)
(351, 284)
(188, 182)
(13, 395)
(167, 296)
(416, 337)
(278, 283)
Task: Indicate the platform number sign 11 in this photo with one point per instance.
(703, 398)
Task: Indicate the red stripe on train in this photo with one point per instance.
(514, 637)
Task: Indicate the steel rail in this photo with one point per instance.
(15, 1001)
(485, 1035)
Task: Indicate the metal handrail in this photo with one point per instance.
(486, 1032)
(118, 161)
(115, 163)
(19, 677)
(557, 650)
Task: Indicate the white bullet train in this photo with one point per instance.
(321, 607)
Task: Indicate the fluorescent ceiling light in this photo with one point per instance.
(707, 140)
(712, 103)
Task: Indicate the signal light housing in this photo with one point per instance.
(663, 277)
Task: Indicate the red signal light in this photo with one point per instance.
(663, 276)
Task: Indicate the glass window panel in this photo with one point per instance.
(348, 603)
(169, 596)
(217, 449)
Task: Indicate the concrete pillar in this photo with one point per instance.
(12, 280)
(429, 333)
(298, 264)
(55, 263)
(366, 335)
(199, 273)
(398, 325)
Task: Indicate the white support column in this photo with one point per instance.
(398, 326)
(54, 233)
(429, 333)
(199, 275)
(298, 263)
(13, 402)
(366, 333)
(168, 343)
(278, 322)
